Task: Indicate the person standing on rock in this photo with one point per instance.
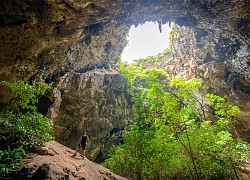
(82, 143)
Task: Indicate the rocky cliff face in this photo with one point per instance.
(95, 102)
(221, 60)
(62, 42)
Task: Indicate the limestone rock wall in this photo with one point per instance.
(62, 41)
(221, 61)
(95, 102)
(44, 39)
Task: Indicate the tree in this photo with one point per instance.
(171, 137)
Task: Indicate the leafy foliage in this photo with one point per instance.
(24, 95)
(158, 59)
(22, 126)
(11, 160)
(172, 137)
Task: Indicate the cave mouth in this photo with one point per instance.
(148, 39)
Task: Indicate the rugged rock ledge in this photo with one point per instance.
(55, 161)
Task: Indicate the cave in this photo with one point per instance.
(74, 45)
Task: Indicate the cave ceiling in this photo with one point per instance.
(43, 39)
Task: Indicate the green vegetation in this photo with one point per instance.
(174, 34)
(11, 160)
(172, 136)
(22, 126)
(154, 59)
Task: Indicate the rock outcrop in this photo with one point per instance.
(94, 101)
(55, 161)
(61, 42)
(220, 60)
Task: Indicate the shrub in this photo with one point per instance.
(22, 126)
(11, 160)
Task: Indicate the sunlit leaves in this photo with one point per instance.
(174, 139)
(222, 108)
(31, 127)
(24, 95)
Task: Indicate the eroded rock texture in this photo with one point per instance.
(95, 102)
(221, 61)
(63, 41)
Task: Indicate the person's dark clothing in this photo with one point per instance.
(83, 142)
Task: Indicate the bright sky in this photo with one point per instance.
(146, 40)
